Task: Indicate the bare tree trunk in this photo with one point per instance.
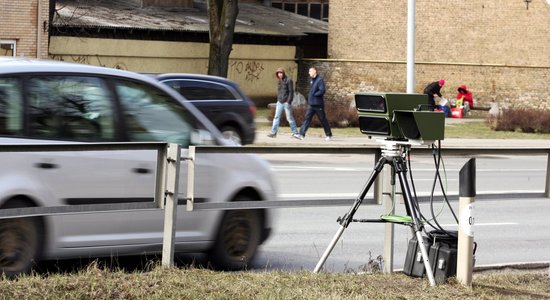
(222, 16)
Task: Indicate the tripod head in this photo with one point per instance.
(394, 148)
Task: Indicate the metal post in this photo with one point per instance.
(411, 13)
(547, 188)
(160, 178)
(39, 29)
(190, 178)
(171, 206)
(378, 183)
(467, 193)
(389, 228)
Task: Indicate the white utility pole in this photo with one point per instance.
(411, 11)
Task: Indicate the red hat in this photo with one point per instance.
(441, 81)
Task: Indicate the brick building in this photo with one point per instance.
(499, 48)
(24, 28)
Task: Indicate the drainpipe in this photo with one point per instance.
(38, 33)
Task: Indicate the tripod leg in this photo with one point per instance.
(329, 249)
(401, 170)
(346, 219)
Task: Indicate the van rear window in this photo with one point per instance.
(11, 107)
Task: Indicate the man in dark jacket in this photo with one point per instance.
(316, 105)
(433, 89)
(285, 94)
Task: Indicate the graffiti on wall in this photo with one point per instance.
(89, 60)
(251, 69)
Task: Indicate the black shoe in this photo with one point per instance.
(272, 135)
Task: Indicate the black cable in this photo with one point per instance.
(437, 161)
(441, 185)
(415, 202)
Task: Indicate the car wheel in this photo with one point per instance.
(237, 240)
(231, 133)
(20, 241)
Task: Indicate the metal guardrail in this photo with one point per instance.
(167, 177)
(160, 192)
(377, 189)
(166, 187)
(161, 149)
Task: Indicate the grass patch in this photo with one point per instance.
(481, 130)
(263, 113)
(191, 283)
(478, 129)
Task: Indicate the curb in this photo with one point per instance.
(514, 266)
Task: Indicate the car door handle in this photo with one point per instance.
(141, 170)
(44, 165)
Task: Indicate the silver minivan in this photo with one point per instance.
(57, 102)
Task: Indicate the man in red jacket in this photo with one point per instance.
(466, 96)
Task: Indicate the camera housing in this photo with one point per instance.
(399, 116)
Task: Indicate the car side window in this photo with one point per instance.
(151, 115)
(11, 108)
(201, 90)
(75, 108)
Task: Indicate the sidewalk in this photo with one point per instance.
(284, 138)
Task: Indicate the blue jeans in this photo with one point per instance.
(289, 116)
(320, 112)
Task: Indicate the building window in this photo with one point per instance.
(7, 48)
(291, 7)
(303, 9)
(325, 13)
(317, 9)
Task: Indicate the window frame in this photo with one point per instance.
(13, 44)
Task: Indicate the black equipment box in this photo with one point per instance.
(414, 265)
(443, 260)
(441, 253)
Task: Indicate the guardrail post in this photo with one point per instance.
(467, 193)
(547, 188)
(190, 178)
(160, 184)
(171, 205)
(378, 182)
(389, 228)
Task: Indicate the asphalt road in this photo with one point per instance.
(507, 230)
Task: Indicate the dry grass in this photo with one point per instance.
(191, 283)
(522, 120)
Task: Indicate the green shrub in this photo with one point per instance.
(521, 120)
(338, 115)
